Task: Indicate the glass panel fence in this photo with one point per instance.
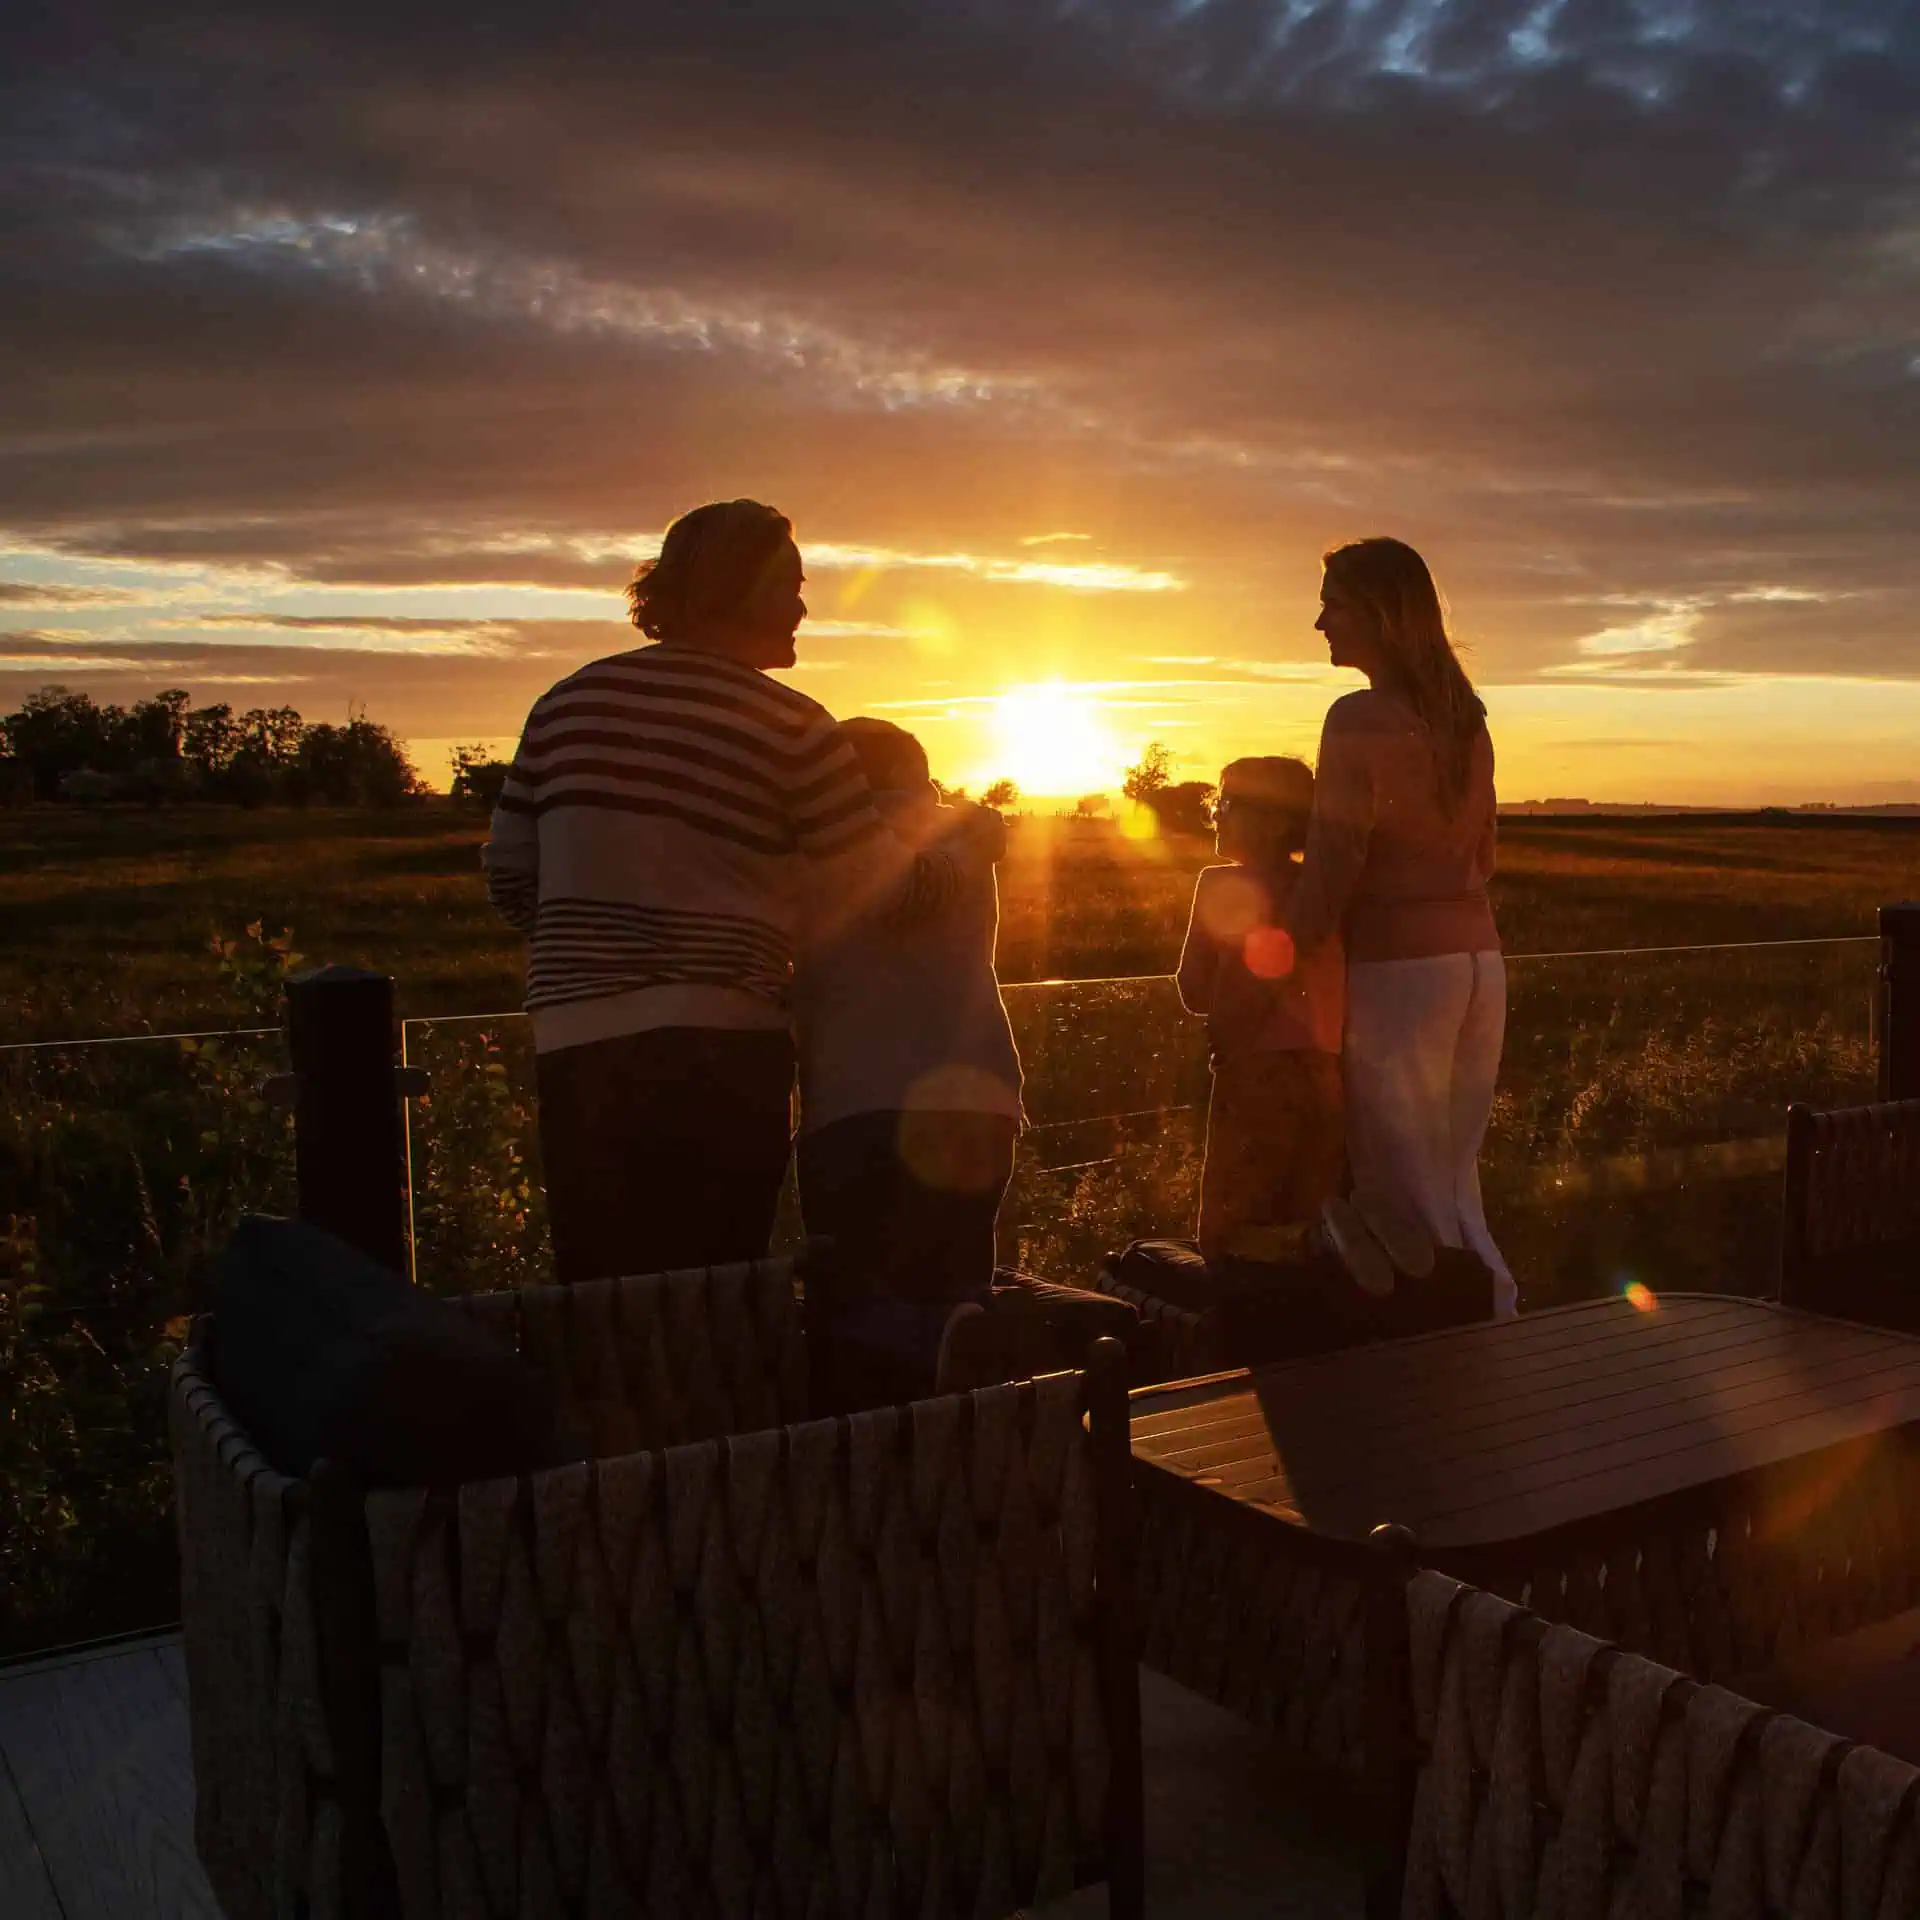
(1640, 1129)
(123, 1166)
(1637, 1136)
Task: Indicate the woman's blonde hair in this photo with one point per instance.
(1393, 583)
(711, 563)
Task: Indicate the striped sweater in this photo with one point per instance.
(668, 814)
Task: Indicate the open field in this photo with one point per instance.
(105, 915)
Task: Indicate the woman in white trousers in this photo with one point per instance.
(1399, 853)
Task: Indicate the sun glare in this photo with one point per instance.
(1050, 740)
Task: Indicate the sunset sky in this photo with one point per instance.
(354, 354)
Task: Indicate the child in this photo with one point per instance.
(909, 1080)
(1275, 1141)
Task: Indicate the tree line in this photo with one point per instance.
(63, 745)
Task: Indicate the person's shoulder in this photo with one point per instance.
(1366, 710)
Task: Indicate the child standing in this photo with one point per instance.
(1275, 1141)
(909, 1080)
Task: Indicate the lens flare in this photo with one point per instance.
(1641, 1297)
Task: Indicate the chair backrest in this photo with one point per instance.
(1558, 1774)
(660, 1359)
(266, 1814)
(1850, 1222)
(883, 1663)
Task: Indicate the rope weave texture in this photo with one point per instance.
(1564, 1777)
(266, 1824)
(849, 1667)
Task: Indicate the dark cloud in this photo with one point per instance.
(31, 593)
(1603, 303)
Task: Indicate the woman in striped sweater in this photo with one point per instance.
(668, 811)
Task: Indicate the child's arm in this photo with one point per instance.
(1198, 976)
(511, 856)
(860, 865)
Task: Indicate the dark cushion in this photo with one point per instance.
(1287, 1310)
(321, 1353)
(1173, 1271)
(1058, 1324)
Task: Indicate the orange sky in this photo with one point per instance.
(357, 360)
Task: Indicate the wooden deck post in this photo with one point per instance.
(1391, 1756)
(1116, 1574)
(1900, 1001)
(350, 1157)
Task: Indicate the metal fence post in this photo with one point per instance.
(349, 1147)
(1900, 1001)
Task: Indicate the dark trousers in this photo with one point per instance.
(910, 1201)
(664, 1149)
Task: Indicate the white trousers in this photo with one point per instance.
(1422, 1055)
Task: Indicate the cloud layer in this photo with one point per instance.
(1611, 305)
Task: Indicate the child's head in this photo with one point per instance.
(1262, 812)
(891, 758)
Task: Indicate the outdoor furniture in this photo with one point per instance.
(1198, 1318)
(1850, 1225)
(1708, 1480)
(1552, 1773)
(879, 1663)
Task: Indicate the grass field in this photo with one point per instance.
(105, 915)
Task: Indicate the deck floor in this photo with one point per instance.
(96, 1796)
(96, 1804)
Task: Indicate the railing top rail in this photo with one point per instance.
(128, 1039)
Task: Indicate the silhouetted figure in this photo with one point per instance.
(1398, 857)
(909, 1080)
(1276, 1147)
(666, 812)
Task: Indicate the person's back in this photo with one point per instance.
(898, 1017)
(666, 792)
(1417, 867)
(909, 1079)
(666, 812)
(1274, 1138)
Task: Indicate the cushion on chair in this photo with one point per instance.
(1257, 1312)
(323, 1353)
(1170, 1270)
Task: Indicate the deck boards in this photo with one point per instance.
(99, 1785)
(1491, 1433)
(26, 1890)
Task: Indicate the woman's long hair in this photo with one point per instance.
(1393, 583)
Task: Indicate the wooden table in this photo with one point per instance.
(1707, 1479)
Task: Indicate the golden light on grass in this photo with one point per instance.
(1050, 739)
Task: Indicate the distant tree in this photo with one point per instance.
(210, 737)
(65, 745)
(358, 765)
(949, 793)
(478, 776)
(1184, 806)
(1150, 774)
(1091, 806)
(1001, 795)
(158, 726)
(56, 732)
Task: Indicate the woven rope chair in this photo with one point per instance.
(1850, 1226)
(882, 1664)
(1552, 1773)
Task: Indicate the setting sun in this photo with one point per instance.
(1050, 739)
